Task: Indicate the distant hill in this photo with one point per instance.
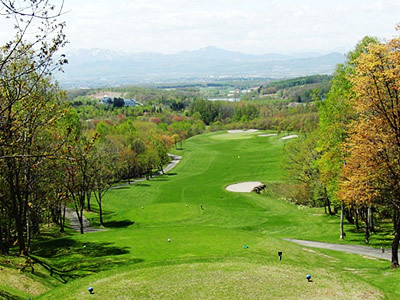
(99, 67)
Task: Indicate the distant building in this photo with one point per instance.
(106, 100)
(127, 102)
(130, 102)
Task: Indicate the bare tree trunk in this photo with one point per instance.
(79, 210)
(100, 211)
(342, 233)
(328, 202)
(88, 197)
(62, 219)
(357, 224)
(28, 232)
(20, 237)
(3, 239)
(19, 225)
(348, 214)
(367, 225)
(371, 219)
(396, 239)
(80, 217)
(329, 207)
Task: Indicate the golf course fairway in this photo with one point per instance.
(184, 236)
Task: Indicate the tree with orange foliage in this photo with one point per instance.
(372, 170)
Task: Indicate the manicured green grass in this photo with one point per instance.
(205, 257)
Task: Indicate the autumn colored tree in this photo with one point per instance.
(335, 114)
(372, 170)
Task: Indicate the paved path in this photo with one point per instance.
(363, 250)
(175, 160)
(70, 214)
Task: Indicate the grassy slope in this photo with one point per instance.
(206, 258)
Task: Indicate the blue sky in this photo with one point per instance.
(251, 26)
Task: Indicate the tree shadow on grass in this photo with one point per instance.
(124, 187)
(118, 224)
(142, 184)
(105, 212)
(381, 238)
(67, 246)
(159, 179)
(171, 174)
(66, 258)
(7, 296)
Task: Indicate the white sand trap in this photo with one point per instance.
(243, 187)
(242, 131)
(268, 134)
(235, 131)
(290, 137)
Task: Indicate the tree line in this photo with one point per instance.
(265, 114)
(350, 163)
(50, 157)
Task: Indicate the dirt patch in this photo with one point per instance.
(243, 187)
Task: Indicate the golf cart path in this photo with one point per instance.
(70, 214)
(175, 160)
(363, 250)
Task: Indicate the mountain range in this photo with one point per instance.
(101, 67)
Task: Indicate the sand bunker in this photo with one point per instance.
(290, 137)
(243, 187)
(268, 134)
(242, 131)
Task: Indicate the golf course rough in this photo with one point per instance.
(225, 280)
(205, 258)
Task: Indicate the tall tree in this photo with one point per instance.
(24, 143)
(105, 172)
(27, 105)
(78, 167)
(372, 170)
(336, 113)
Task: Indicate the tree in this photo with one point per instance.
(28, 15)
(28, 103)
(118, 102)
(372, 170)
(78, 167)
(105, 172)
(301, 156)
(25, 145)
(336, 113)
